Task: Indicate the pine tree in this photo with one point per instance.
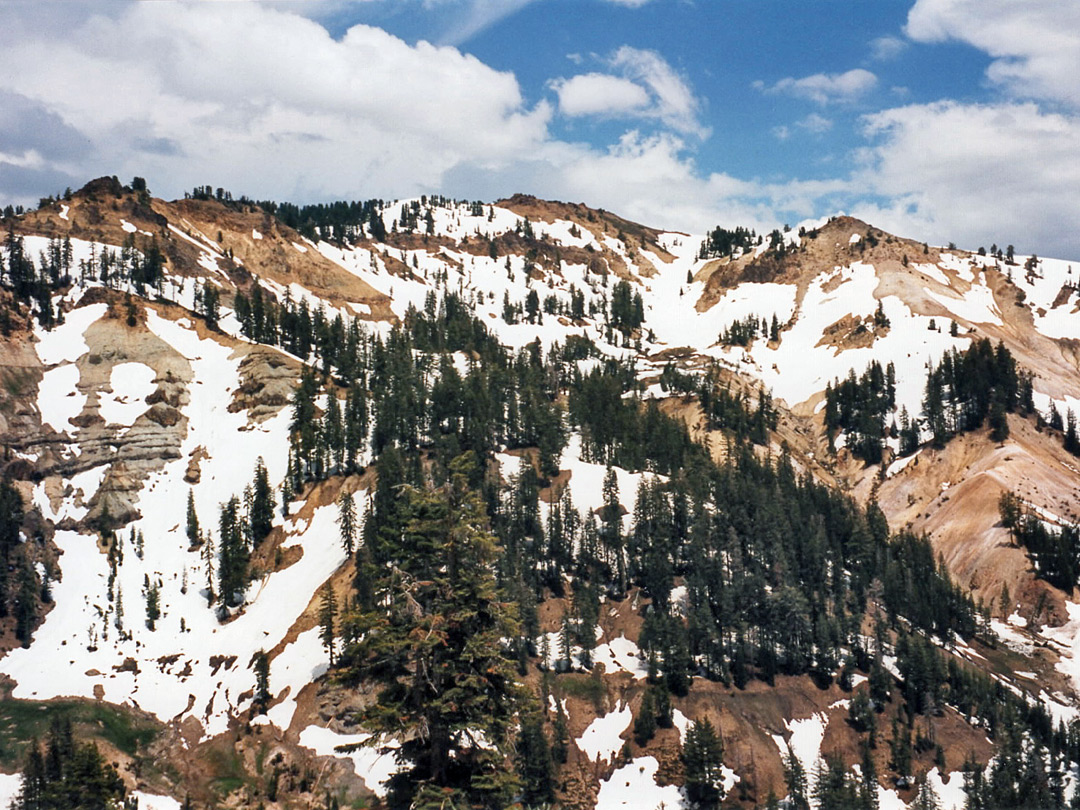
(440, 613)
(192, 520)
(346, 521)
(927, 798)
(702, 758)
(261, 509)
(645, 722)
(534, 762)
(327, 619)
(795, 778)
(260, 662)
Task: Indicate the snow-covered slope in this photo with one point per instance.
(132, 416)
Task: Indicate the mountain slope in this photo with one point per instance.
(132, 399)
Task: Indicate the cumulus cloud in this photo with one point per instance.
(1035, 44)
(975, 174)
(884, 49)
(676, 104)
(228, 90)
(815, 123)
(599, 94)
(646, 87)
(825, 88)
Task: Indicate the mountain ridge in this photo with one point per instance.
(129, 435)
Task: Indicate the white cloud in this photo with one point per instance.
(781, 133)
(648, 88)
(884, 49)
(826, 88)
(629, 3)
(975, 174)
(1035, 44)
(266, 102)
(676, 104)
(815, 123)
(599, 94)
(476, 16)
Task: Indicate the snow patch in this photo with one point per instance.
(59, 400)
(371, 766)
(634, 785)
(131, 384)
(601, 740)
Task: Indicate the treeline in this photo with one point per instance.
(720, 242)
(964, 391)
(743, 332)
(32, 283)
(1054, 553)
(968, 388)
(68, 775)
(859, 406)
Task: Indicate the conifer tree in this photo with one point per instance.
(192, 520)
(346, 521)
(261, 508)
(534, 762)
(441, 616)
(327, 619)
(702, 758)
(260, 662)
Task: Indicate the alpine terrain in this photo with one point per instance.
(434, 503)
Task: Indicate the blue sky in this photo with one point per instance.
(943, 120)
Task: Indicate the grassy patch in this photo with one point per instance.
(24, 720)
(227, 768)
(583, 687)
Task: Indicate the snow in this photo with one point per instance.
(855, 239)
(82, 623)
(64, 211)
(900, 464)
(131, 384)
(1067, 635)
(65, 343)
(951, 796)
(601, 740)
(681, 722)
(255, 234)
(127, 226)
(634, 786)
(371, 766)
(10, 786)
(621, 654)
(977, 305)
(798, 368)
(149, 801)
(1013, 640)
(205, 245)
(299, 664)
(300, 248)
(805, 740)
(59, 401)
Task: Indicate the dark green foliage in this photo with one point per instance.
(918, 587)
(260, 662)
(68, 775)
(233, 556)
(858, 406)
(967, 387)
(645, 722)
(745, 331)
(534, 762)
(702, 756)
(721, 242)
(1054, 552)
(446, 618)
